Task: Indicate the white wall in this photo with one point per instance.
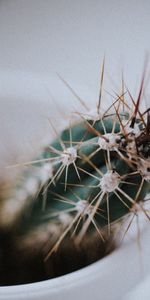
(71, 37)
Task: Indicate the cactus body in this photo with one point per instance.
(93, 174)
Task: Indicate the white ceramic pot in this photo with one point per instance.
(25, 96)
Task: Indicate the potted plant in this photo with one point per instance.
(65, 210)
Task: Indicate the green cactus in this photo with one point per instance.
(93, 175)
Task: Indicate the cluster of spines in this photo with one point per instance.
(84, 173)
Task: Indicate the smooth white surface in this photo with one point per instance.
(70, 37)
(140, 291)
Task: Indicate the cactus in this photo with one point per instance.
(95, 174)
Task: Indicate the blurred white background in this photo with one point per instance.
(71, 37)
(39, 38)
